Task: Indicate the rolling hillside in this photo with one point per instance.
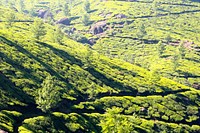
(110, 80)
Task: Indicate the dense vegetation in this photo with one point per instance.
(99, 66)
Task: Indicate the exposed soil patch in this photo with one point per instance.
(186, 44)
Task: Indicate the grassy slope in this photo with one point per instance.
(174, 18)
(91, 83)
(180, 27)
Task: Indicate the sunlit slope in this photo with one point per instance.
(90, 84)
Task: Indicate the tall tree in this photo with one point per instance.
(155, 7)
(58, 35)
(168, 38)
(85, 19)
(175, 61)
(182, 50)
(21, 5)
(9, 19)
(87, 6)
(38, 29)
(48, 95)
(66, 9)
(161, 48)
(141, 32)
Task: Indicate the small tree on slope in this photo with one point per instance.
(48, 96)
(38, 29)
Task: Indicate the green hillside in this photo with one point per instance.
(125, 70)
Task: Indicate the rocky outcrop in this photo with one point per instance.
(58, 10)
(92, 41)
(98, 28)
(120, 16)
(44, 14)
(196, 86)
(105, 15)
(41, 13)
(64, 21)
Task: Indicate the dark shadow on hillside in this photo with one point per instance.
(150, 41)
(26, 72)
(146, 16)
(64, 55)
(183, 99)
(170, 31)
(19, 120)
(29, 111)
(124, 71)
(146, 41)
(93, 11)
(187, 75)
(78, 3)
(166, 91)
(193, 30)
(187, 102)
(59, 124)
(192, 59)
(27, 53)
(21, 21)
(179, 4)
(12, 91)
(183, 12)
(163, 10)
(96, 129)
(110, 82)
(161, 15)
(165, 56)
(90, 23)
(74, 18)
(46, 66)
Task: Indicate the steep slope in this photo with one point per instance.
(99, 94)
(172, 23)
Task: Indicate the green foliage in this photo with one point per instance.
(38, 29)
(73, 122)
(87, 6)
(168, 38)
(192, 110)
(66, 9)
(40, 124)
(49, 95)
(10, 18)
(154, 76)
(175, 61)
(155, 5)
(132, 97)
(114, 122)
(57, 35)
(85, 19)
(182, 50)
(21, 5)
(141, 31)
(161, 48)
